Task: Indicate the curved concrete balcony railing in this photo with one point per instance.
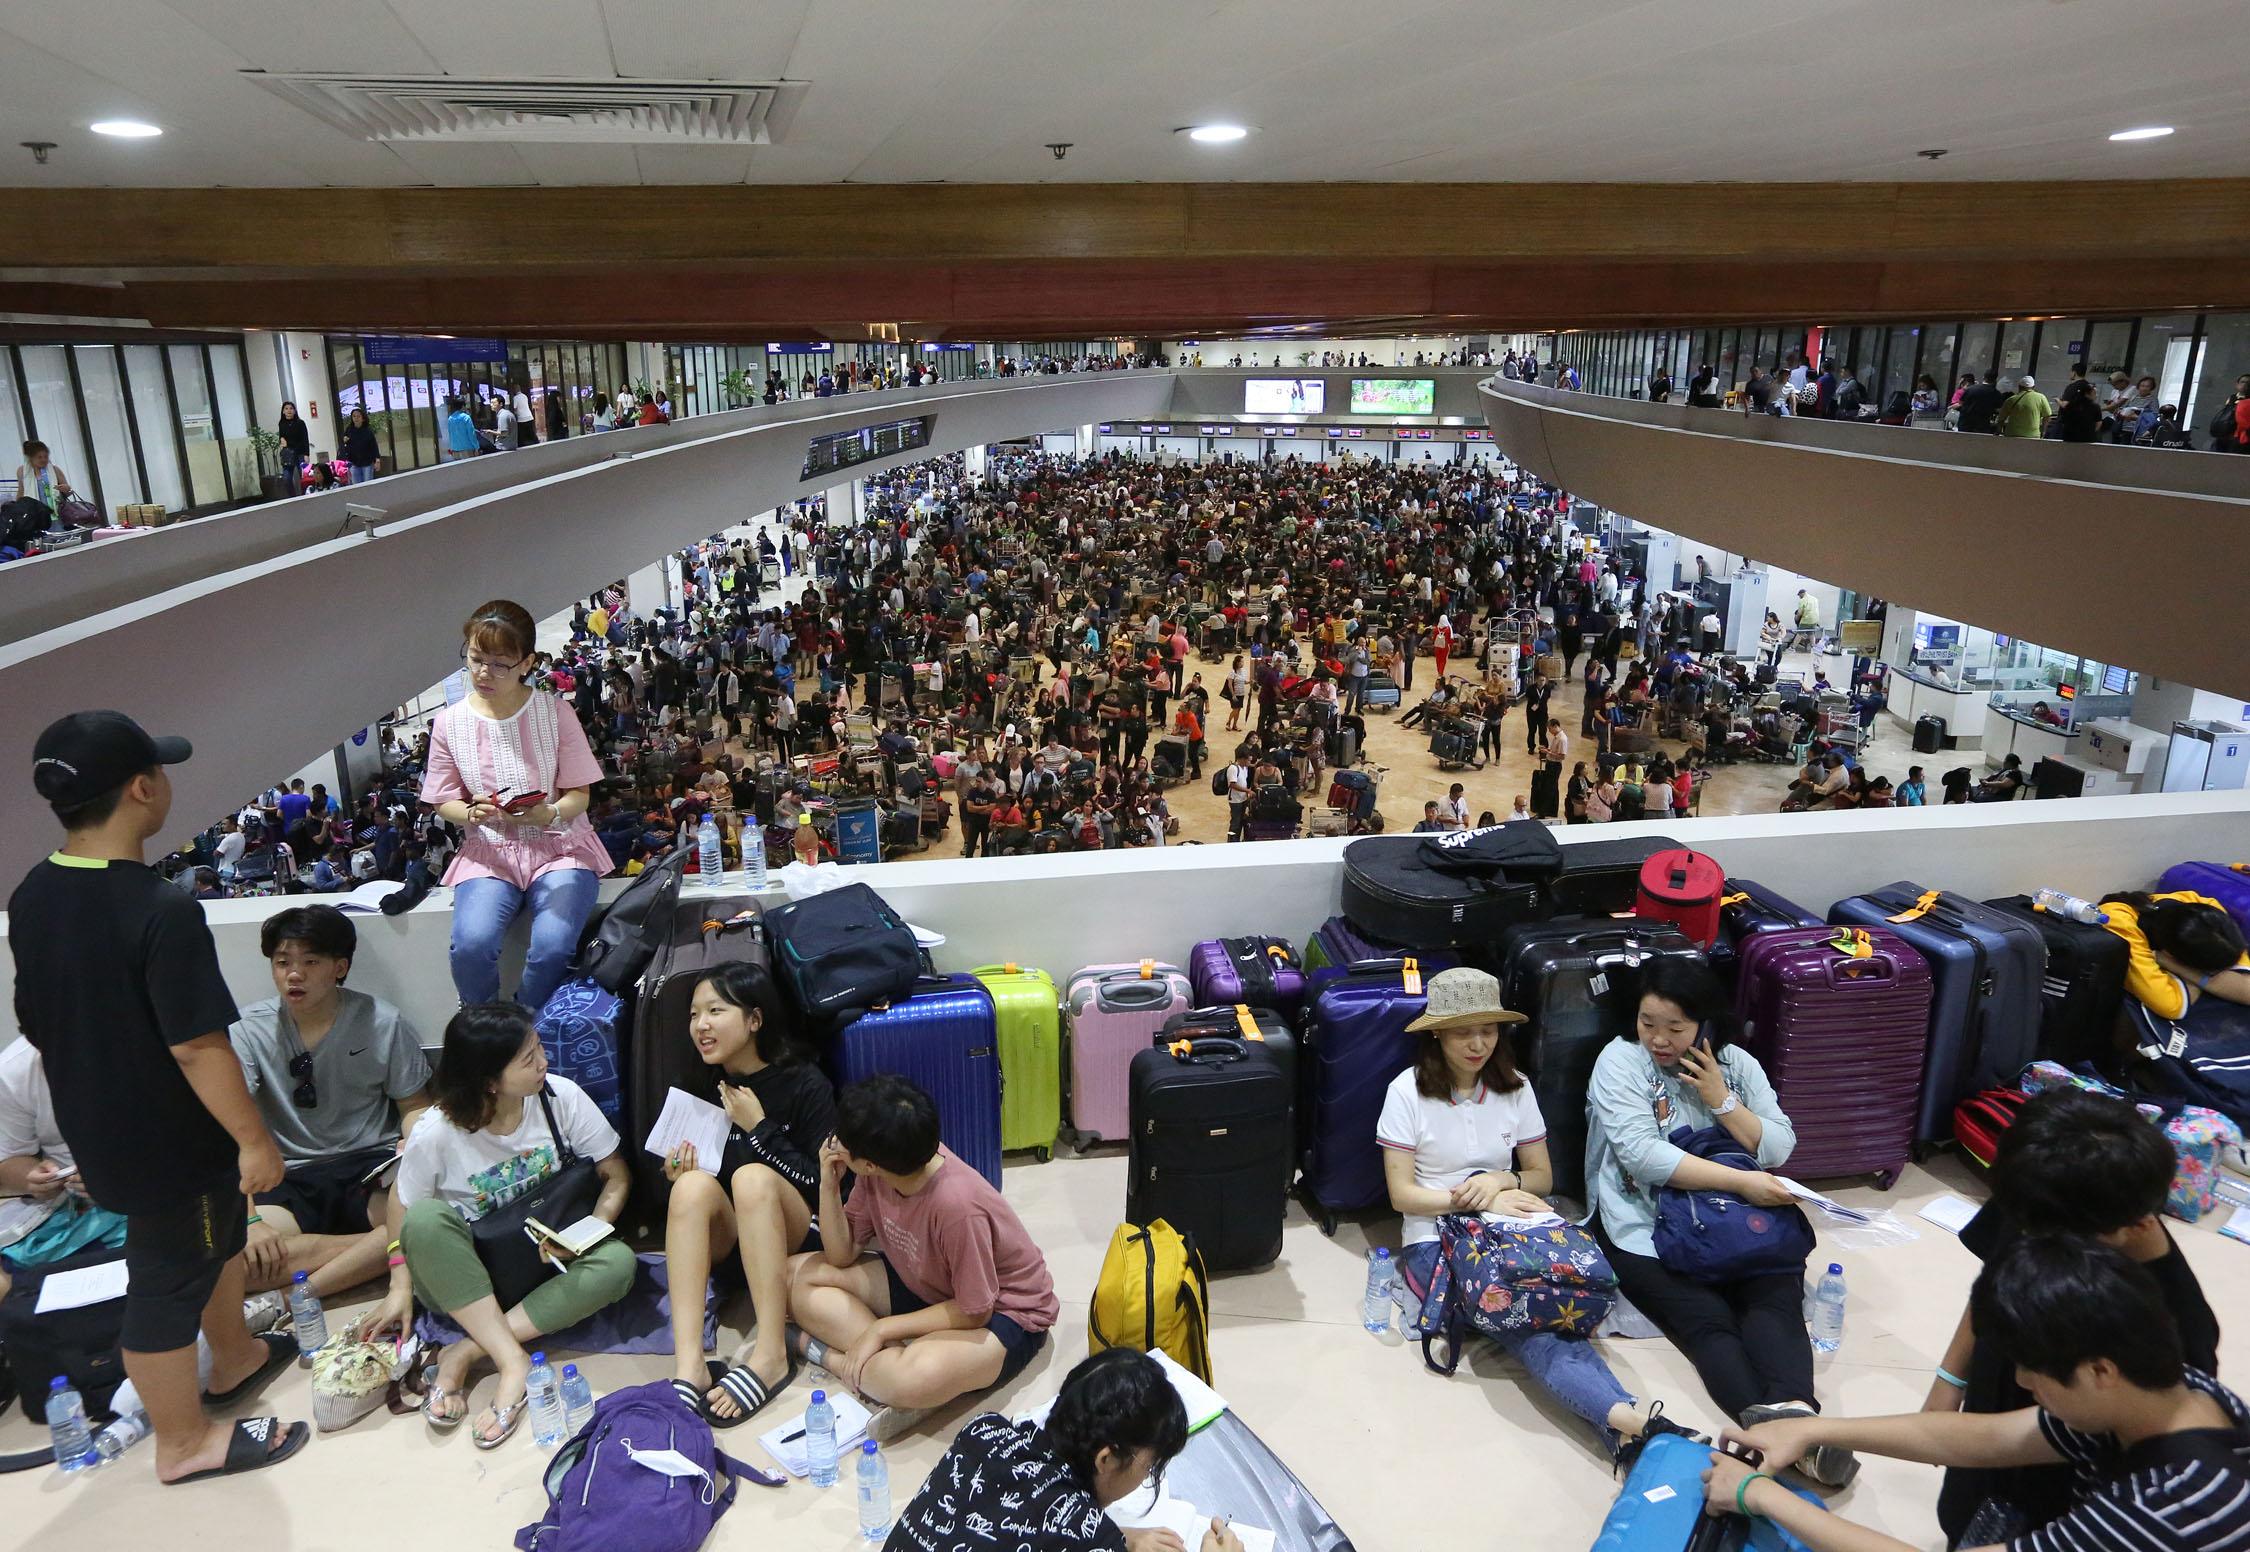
(2129, 555)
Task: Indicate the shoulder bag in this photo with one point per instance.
(510, 1256)
(1501, 1279)
(1719, 1237)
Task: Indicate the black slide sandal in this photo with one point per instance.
(281, 1352)
(250, 1448)
(745, 1389)
(692, 1399)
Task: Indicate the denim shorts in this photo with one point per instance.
(1022, 1346)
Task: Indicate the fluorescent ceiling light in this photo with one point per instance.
(125, 129)
(2150, 132)
(1215, 134)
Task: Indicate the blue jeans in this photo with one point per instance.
(482, 910)
(362, 473)
(1567, 1368)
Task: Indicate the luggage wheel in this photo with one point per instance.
(1886, 1179)
(1328, 1224)
(1044, 1155)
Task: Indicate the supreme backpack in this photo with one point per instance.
(1153, 1294)
(601, 1498)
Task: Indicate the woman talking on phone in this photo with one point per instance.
(1677, 1068)
(513, 769)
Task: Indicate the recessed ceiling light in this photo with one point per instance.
(1214, 134)
(2149, 132)
(125, 129)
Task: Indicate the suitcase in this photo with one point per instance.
(2083, 991)
(1986, 967)
(1631, 740)
(1929, 735)
(1343, 747)
(1453, 749)
(1356, 1042)
(2227, 883)
(1264, 972)
(1337, 947)
(1682, 887)
(945, 1037)
(1746, 910)
(1602, 878)
(1660, 1507)
(1240, 1021)
(660, 1057)
(1842, 1039)
(1029, 1012)
(1576, 981)
(1115, 1011)
(1381, 693)
(1392, 895)
(1210, 1147)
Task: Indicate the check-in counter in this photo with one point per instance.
(1914, 695)
(2008, 731)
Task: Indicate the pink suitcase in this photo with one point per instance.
(1841, 1036)
(1115, 1011)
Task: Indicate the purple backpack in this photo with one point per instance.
(600, 1500)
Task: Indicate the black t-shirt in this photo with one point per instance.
(800, 1106)
(1000, 1489)
(114, 967)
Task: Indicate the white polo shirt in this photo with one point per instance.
(1454, 1139)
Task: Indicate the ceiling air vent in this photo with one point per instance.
(615, 111)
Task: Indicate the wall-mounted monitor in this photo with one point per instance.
(1284, 396)
(843, 449)
(1394, 395)
(2114, 679)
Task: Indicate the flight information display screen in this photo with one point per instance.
(844, 449)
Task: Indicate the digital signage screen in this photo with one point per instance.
(1394, 396)
(1284, 396)
(827, 454)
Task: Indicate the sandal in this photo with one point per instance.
(507, 1417)
(435, 1395)
(250, 1447)
(281, 1352)
(691, 1397)
(745, 1390)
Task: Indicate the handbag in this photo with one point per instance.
(1506, 1279)
(510, 1257)
(1717, 1236)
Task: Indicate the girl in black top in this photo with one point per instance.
(760, 1201)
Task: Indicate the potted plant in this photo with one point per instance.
(272, 483)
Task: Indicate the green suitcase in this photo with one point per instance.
(1030, 1015)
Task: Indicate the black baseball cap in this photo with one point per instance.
(89, 753)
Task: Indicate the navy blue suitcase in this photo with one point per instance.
(1989, 970)
(1356, 1042)
(945, 1036)
(1747, 909)
(1336, 946)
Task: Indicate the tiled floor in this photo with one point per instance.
(1403, 1459)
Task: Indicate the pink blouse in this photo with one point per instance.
(539, 749)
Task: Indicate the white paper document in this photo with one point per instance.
(1203, 1404)
(2237, 1225)
(1187, 1521)
(786, 1444)
(80, 1287)
(367, 897)
(1828, 1206)
(686, 1119)
(1950, 1213)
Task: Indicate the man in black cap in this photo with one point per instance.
(118, 985)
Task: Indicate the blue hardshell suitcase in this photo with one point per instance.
(1356, 1042)
(1660, 1507)
(1747, 909)
(1336, 946)
(1988, 969)
(945, 1036)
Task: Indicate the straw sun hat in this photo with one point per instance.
(1462, 997)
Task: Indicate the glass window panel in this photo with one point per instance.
(2107, 347)
(117, 479)
(2161, 351)
(1938, 342)
(207, 481)
(12, 428)
(54, 409)
(2225, 357)
(2056, 353)
(1898, 361)
(2015, 351)
(343, 375)
(152, 407)
(1978, 342)
(234, 420)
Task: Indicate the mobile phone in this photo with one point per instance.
(523, 803)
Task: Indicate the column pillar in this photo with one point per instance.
(1086, 441)
(843, 504)
(973, 461)
(650, 589)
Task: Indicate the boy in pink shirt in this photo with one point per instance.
(955, 1297)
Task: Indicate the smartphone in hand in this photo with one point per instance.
(523, 803)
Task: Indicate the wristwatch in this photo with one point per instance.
(1727, 1105)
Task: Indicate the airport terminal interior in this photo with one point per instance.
(1465, 774)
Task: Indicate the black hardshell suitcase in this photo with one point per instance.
(2083, 992)
(1602, 878)
(1392, 895)
(1577, 982)
(1210, 1147)
(1243, 1022)
(703, 935)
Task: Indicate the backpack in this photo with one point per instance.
(619, 942)
(79, 1344)
(578, 1028)
(1502, 1280)
(1979, 1120)
(1152, 1295)
(1718, 1237)
(600, 1500)
(1219, 781)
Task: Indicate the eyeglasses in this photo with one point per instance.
(305, 1096)
(491, 665)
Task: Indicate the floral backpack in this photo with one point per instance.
(1499, 1277)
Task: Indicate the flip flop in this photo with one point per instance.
(508, 1417)
(281, 1352)
(250, 1447)
(745, 1389)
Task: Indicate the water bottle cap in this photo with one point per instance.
(570, 1371)
(819, 1396)
(538, 1360)
(867, 1447)
(1382, 1253)
(1837, 1267)
(59, 1382)
(298, 1278)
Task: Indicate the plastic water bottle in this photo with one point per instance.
(754, 854)
(820, 1441)
(1375, 1308)
(66, 1421)
(874, 1493)
(577, 1401)
(310, 1319)
(1828, 1310)
(2055, 903)
(546, 1404)
(129, 1429)
(708, 860)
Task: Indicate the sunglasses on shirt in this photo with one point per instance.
(305, 1096)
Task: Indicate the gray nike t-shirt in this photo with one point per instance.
(370, 1060)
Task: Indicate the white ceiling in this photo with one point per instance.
(970, 91)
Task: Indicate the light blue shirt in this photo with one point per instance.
(1628, 1151)
(460, 432)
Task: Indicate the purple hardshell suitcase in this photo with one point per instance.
(1747, 909)
(2227, 883)
(1842, 1039)
(1264, 972)
(1115, 1011)
(945, 1036)
(1356, 1042)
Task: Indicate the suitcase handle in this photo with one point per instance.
(1209, 1051)
(1877, 968)
(1131, 994)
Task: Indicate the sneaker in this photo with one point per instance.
(1630, 1450)
(263, 1312)
(1830, 1465)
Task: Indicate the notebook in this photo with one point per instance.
(579, 1238)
